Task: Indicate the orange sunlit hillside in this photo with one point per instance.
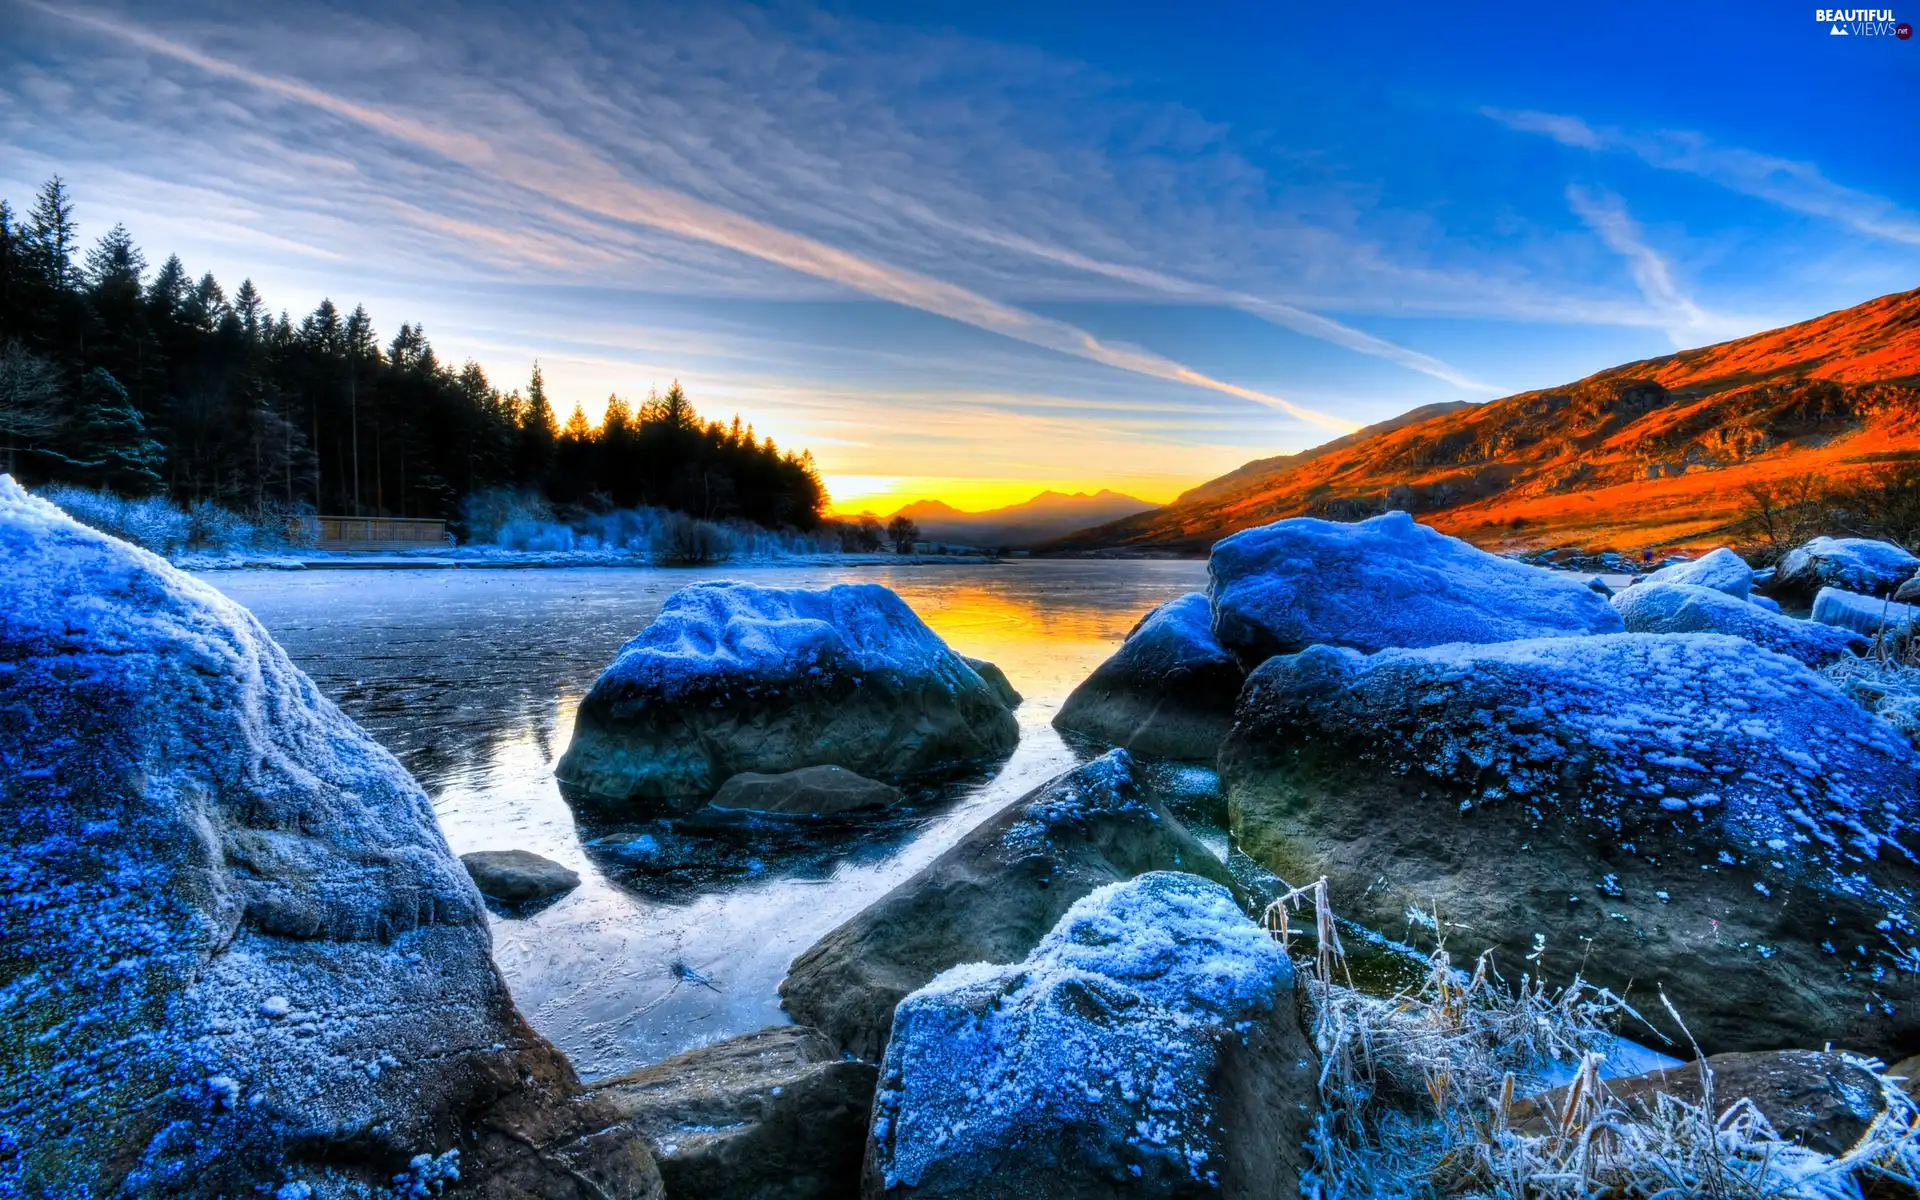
(1653, 453)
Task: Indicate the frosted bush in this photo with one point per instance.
(150, 522)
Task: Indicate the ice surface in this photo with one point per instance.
(1388, 581)
(1867, 615)
(1685, 608)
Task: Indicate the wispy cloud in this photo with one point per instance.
(1606, 214)
(562, 168)
(1796, 186)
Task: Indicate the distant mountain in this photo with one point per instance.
(1045, 517)
(1657, 452)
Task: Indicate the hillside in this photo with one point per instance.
(1652, 453)
(1045, 517)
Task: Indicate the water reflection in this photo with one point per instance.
(472, 679)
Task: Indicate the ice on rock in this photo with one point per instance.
(1722, 570)
(1120, 1049)
(1167, 692)
(219, 898)
(734, 677)
(1388, 581)
(1686, 608)
(1868, 616)
(1864, 565)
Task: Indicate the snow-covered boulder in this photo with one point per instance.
(1678, 810)
(1722, 570)
(1387, 581)
(1873, 568)
(1149, 1046)
(1766, 602)
(733, 677)
(237, 954)
(1167, 692)
(1686, 608)
(989, 898)
(1868, 616)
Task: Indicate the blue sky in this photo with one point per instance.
(975, 250)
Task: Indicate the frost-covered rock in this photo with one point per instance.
(1722, 570)
(1766, 602)
(1863, 565)
(1149, 1046)
(996, 679)
(771, 1115)
(1868, 616)
(237, 954)
(733, 677)
(1167, 692)
(1387, 581)
(989, 898)
(518, 876)
(1683, 811)
(810, 791)
(1908, 592)
(1686, 608)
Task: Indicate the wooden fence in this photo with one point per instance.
(380, 533)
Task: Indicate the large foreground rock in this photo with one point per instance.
(810, 791)
(1167, 692)
(1873, 568)
(1149, 1046)
(1388, 581)
(1722, 570)
(1684, 812)
(773, 1115)
(1686, 608)
(1822, 1099)
(235, 953)
(731, 677)
(988, 899)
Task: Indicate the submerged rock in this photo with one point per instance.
(1387, 581)
(1681, 811)
(1873, 568)
(810, 791)
(518, 876)
(988, 899)
(772, 1115)
(238, 955)
(732, 677)
(1167, 692)
(1722, 570)
(1822, 1099)
(1686, 608)
(1867, 616)
(1150, 1045)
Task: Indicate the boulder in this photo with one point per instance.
(1167, 692)
(238, 956)
(518, 876)
(1873, 568)
(1867, 616)
(773, 1115)
(1908, 592)
(1822, 1099)
(1766, 602)
(1722, 570)
(810, 791)
(988, 899)
(1681, 811)
(996, 679)
(1687, 608)
(732, 677)
(1387, 581)
(1150, 1045)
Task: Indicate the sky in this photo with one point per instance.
(976, 250)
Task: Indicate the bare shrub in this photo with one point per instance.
(685, 541)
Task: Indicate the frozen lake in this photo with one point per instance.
(680, 930)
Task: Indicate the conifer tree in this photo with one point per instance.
(110, 443)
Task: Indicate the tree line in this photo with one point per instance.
(142, 382)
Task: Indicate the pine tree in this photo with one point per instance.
(168, 293)
(247, 305)
(52, 232)
(109, 442)
(115, 265)
(578, 428)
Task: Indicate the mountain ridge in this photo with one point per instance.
(1048, 515)
(1656, 452)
